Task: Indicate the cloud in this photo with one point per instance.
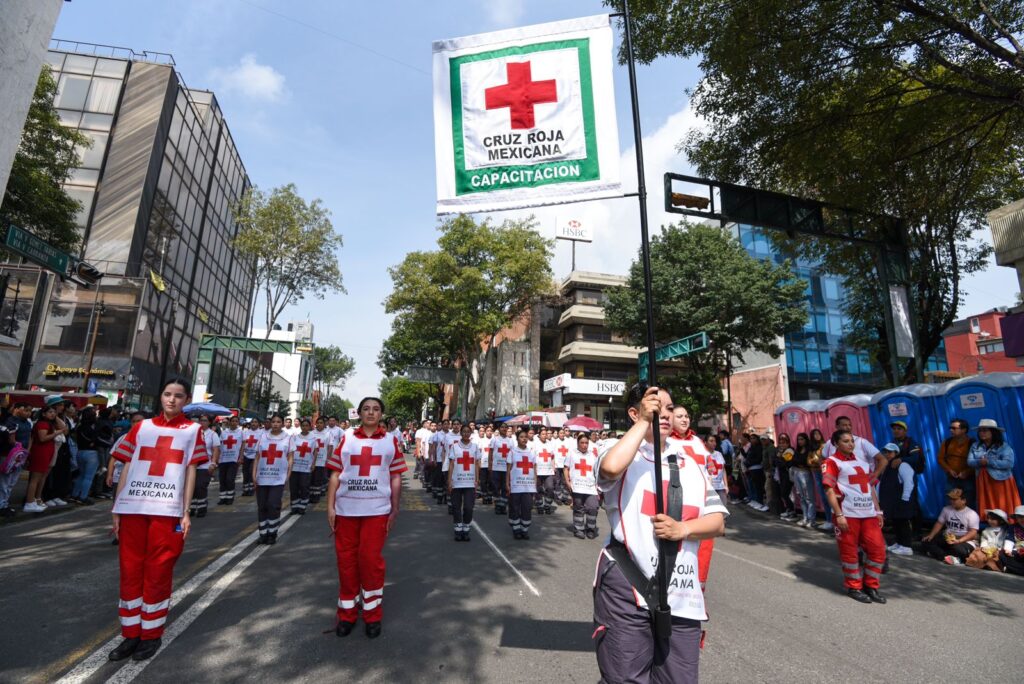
(250, 79)
(504, 13)
(616, 222)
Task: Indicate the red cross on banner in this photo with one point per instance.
(583, 467)
(862, 478)
(520, 94)
(272, 453)
(465, 460)
(304, 449)
(524, 465)
(160, 455)
(230, 442)
(365, 460)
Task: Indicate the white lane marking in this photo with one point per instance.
(528, 583)
(783, 573)
(88, 667)
(132, 670)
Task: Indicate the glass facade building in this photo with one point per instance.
(819, 362)
(156, 187)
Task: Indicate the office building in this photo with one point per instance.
(977, 344)
(157, 188)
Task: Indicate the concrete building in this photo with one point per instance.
(25, 30)
(295, 370)
(976, 344)
(1007, 225)
(156, 189)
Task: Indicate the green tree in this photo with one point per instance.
(35, 198)
(306, 408)
(449, 302)
(335, 406)
(293, 247)
(403, 398)
(903, 107)
(704, 281)
(331, 368)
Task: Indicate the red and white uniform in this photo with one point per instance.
(304, 449)
(545, 452)
(715, 465)
(562, 447)
(582, 475)
(231, 445)
(693, 446)
(212, 441)
(630, 504)
(157, 455)
(321, 438)
(864, 450)
(251, 442)
(484, 445)
(272, 466)
(464, 461)
(365, 465)
(850, 478)
(522, 471)
(448, 440)
(501, 448)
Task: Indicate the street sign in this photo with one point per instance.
(673, 350)
(37, 251)
(440, 376)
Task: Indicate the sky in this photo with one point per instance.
(336, 97)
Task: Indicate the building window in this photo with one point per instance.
(975, 325)
(990, 348)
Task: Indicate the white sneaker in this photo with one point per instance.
(803, 523)
(60, 502)
(52, 503)
(827, 527)
(902, 550)
(33, 507)
(764, 508)
(892, 547)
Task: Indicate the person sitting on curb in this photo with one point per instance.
(986, 556)
(1011, 557)
(961, 529)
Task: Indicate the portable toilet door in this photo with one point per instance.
(854, 407)
(990, 395)
(799, 416)
(915, 406)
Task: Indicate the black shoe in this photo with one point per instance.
(87, 501)
(858, 595)
(579, 534)
(344, 628)
(525, 535)
(222, 502)
(114, 542)
(262, 539)
(458, 535)
(124, 649)
(516, 534)
(874, 595)
(272, 538)
(147, 649)
(372, 630)
(192, 511)
(201, 513)
(591, 534)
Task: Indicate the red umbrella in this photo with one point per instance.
(518, 420)
(583, 424)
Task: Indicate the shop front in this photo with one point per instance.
(597, 399)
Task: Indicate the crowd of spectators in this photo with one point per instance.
(982, 525)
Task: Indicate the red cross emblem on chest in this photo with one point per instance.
(160, 455)
(694, 454)
(365, 460)
(525, 465)
(272, 453)
(649, 504)
(465, 460)
(304, 449)
(545, 455)
(562, 450)
(250, 441)
(503, 450)
(520, 94)
(713, 467)
(583, 467)
(230, 442)
(862, 479)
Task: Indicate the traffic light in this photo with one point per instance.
(692, 201)
(87, 273)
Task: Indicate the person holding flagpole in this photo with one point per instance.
(627, 648)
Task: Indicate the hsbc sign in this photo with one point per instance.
(573, 229)
(570, 385)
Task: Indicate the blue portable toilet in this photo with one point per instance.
(991, 395)
(915, 405)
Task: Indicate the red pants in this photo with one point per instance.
(358, 543)
(865, 533)
(149, 548)
(704, 551)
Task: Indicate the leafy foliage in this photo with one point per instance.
(335, 406)
(903, 107)
(404, 398)
(306, 408)
(331, 367)
(35, 199)
(704, 281)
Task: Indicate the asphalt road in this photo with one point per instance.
(456, 612)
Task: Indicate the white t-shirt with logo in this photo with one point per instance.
(959, 522)
(272, 465)
(500, 456)
(463, 460)
(230, 445)
(304, 448)
(582, 476)
(322, 438)
(545, 458)
(365, 465)
(522, 471)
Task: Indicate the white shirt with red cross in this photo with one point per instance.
(562, 448)
(581, 471)
(463, 460)
(212, 441)
(365, 465)
(231, 445)
(545, 458)
(501, 447)
(303, 452)
(322, 439)
(484, 445)
(251, 442)
(272, 466)
(522, 471)
(689, 444)
(714, 464)
(157, 454)
(630, 505)
(448, 440)
(850, 478)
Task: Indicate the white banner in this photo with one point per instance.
(573, 229)
(526, 117)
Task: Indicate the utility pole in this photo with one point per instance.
(92, 346)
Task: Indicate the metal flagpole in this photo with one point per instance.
(662, 612)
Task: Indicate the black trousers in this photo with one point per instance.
(226, 474)
(938, 549)
(520, 511)
(784, 489)
(247, 483)
(546, 491)
(58, 483)
(201, 491)
(584, 512)
(299, 490)
(268, 508)
(904, 532)
(757, 481)
(1013, 564)
(498, 486)
(463, 499)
